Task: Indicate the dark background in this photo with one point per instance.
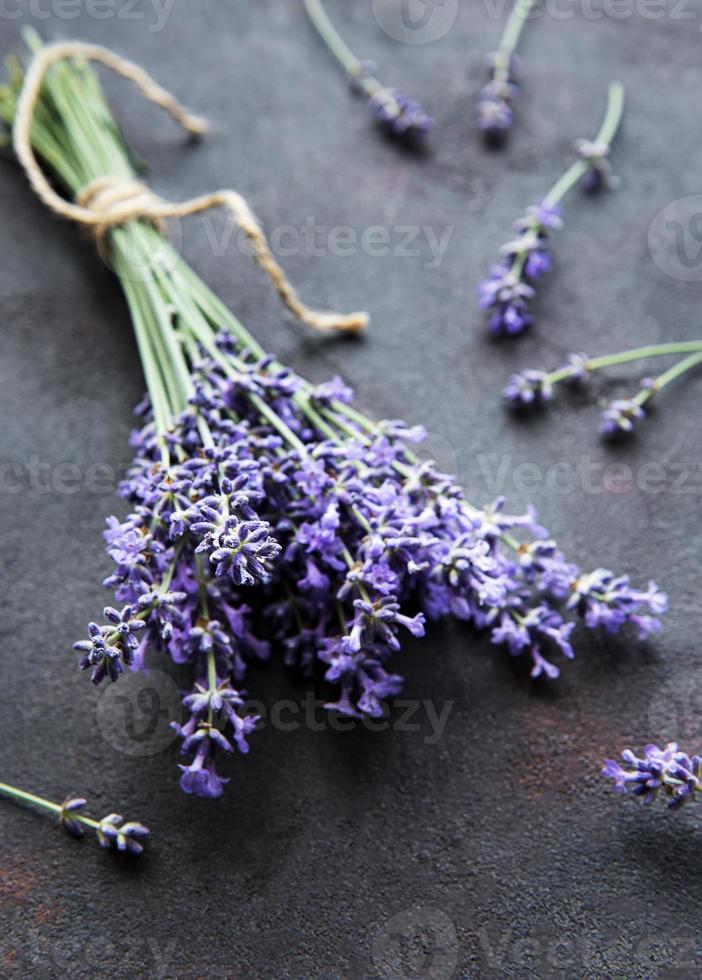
(496, 850)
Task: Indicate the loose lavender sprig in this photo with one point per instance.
(395, 112)
(270, 514)
(668, 773)
(506, 293)
(112, 831)
(620, 417)
(494, 106)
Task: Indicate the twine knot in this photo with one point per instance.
(116, 200)
(110, 200)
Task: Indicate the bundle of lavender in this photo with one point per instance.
(271, 515)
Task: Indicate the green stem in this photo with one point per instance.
(686, 364)
(510, 38)
(13, 793)
(608, 130)
(625, 357)
(339, 48)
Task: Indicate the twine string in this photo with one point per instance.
(110, 200)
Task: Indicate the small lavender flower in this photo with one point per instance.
(398, 114)
(620, 417)
(494, 114)
(667, 772)
(598, 176)
(505, 294)
(527, 389)
(112, 831)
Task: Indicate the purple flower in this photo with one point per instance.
(398, 114)
(505, 294)
(667, 772)
(609, 601)
(598, 176)
(620, 417)
(529, 388)
(493, 109)
(127, 837)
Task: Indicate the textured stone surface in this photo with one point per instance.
(497, 847)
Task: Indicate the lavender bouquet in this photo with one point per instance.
(620, 416)
(394, 111)
(506, 293)
(270, 516)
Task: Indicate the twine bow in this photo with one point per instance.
(110, 201)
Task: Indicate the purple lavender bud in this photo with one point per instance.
(125, 837)
(72, 826)
(598, 176)
(399, 115)
(620, 418)
(577, 365)
(527, 389)
(493, 111)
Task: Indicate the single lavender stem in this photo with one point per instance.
(338, 46)
(398, 114)
(510, 39)
(510, 286)
(624, 357)
(608, 130)
(110, 831)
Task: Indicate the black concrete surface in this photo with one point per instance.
(494, 850)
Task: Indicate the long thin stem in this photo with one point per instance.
(338, 47)
(686, 364)
(13, 793)
(510, 38)
(608, 130)
(625, 357)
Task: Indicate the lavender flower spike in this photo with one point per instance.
(396, 113)
(111, 831)
(494, 114)
(669, 773)
(506, 293)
